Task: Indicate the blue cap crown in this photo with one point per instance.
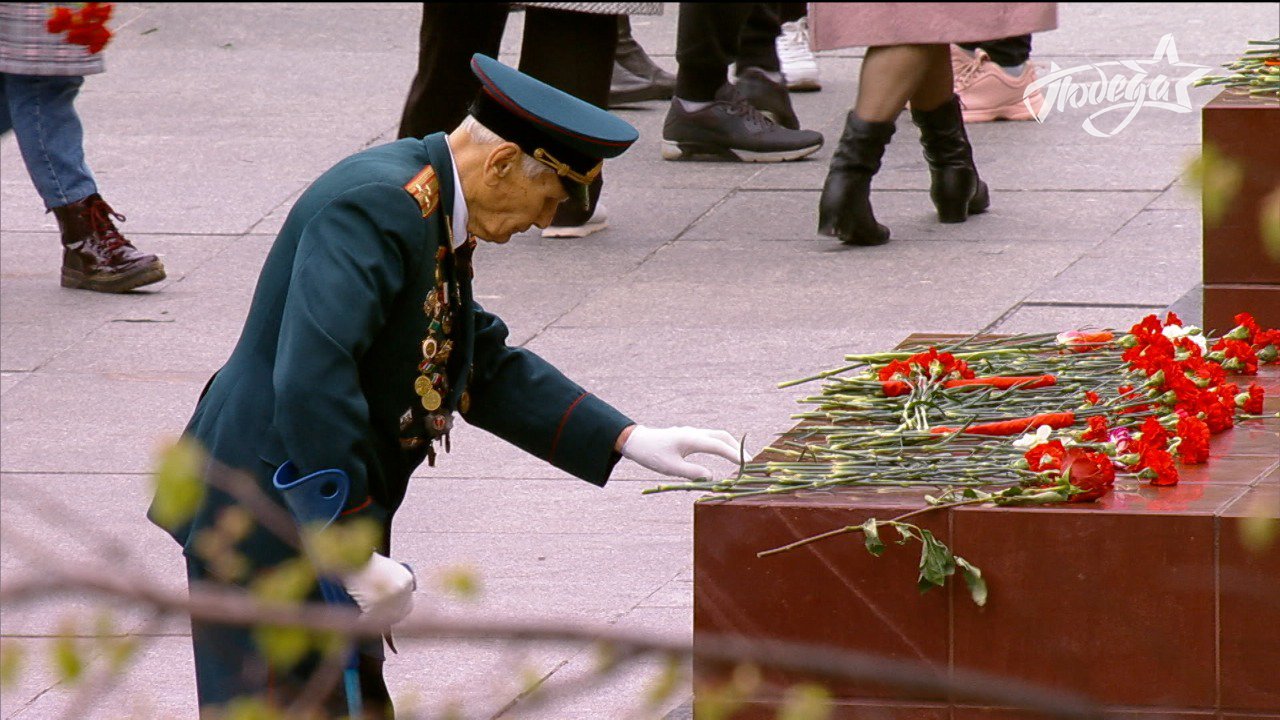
(571, 136)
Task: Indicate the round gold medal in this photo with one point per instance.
(429, 348)
(422, 385)
(431, 400)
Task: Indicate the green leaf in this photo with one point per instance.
(973, 578)
(1258, 532)
(179, 489)
(904, 532)
(11, 659)
(283, 647)
(871, 533)
(67, 659)
(1269, 225)
(665, 685)
(244, 708)
(936, 562)
(289, 582)
(1219, 179)
(806, 702)
(341, 547)
(716, 703)
(120, 652)
(461, 581)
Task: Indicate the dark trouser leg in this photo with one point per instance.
(706, 42)
(1006, 52)
(571, 51)
(444, 86)
(792, 11)
(757, 45)
(229, 666)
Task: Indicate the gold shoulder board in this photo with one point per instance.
(425, 189)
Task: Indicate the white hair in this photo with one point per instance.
(484, 136)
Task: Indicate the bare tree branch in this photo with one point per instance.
(221, 605)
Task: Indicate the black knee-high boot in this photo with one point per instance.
(955, 188)
(845, 208)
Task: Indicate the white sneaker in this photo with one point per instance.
(799, 67)
(598, 221)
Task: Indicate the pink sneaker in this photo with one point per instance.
(989, 93)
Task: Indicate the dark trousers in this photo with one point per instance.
(571, 51)
(792, 11)
(710, 36)
(1006, 52)
(229, 665)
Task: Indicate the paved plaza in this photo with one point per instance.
(709, 287)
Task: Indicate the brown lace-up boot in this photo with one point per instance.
(95, 256)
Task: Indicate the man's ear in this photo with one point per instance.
(501, 162)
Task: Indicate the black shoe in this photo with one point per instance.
(955, 188)
(635, 60)
(844, 211)
(769, 97)
(730, 128)
(627, 88)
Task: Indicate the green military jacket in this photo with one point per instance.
(333, 345)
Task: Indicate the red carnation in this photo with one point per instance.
(59, 20)
(1219, 416)
(1092, 472)
(1251, 402)
(1172, 319)
(1098, 431)
(1238, 356)
(97, 13)
(1154, 436)
(1157, 466)
(896, 367)
(1046, 456)
(1092, 397)
(1194, 448)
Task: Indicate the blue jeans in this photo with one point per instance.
(40, 109)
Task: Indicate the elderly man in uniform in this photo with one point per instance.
(363, 338)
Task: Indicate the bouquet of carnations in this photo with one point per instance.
(1018, 420)
(86, 25)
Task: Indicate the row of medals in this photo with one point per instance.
(432, 384)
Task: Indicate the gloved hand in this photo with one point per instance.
(382, 588)
(664, 451)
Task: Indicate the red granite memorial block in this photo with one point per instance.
(1149, 600)
(1239, 275)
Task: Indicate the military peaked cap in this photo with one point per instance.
(568, 135)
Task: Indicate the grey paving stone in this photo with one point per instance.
(533, 506)
(626, 693)
(9, 380)
(476, 678)
(910, 215)
(1104, 29)
(160, 684)
(94, 423)
(1156, 281)
(1178, 197)
(1154, 234)
(556, 576)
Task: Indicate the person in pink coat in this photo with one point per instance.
(908, 61)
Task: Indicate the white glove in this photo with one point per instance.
(664, 451)
(382, 588)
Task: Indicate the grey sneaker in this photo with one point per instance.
(731, 129)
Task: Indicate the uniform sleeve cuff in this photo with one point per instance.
(584, 442)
